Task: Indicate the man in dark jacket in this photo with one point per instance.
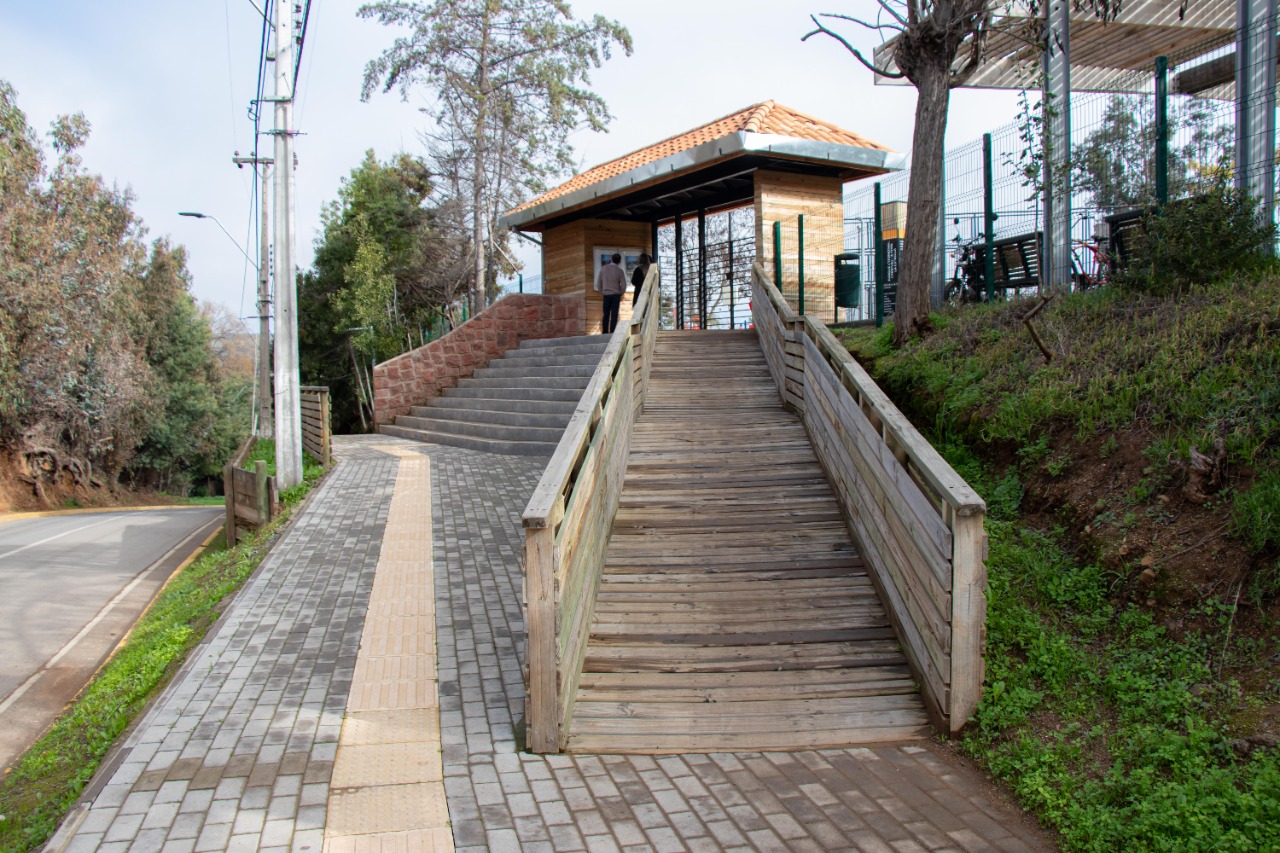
(612, 283)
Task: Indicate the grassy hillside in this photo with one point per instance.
(1133, 675)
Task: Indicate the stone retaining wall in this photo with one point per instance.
(415, 377)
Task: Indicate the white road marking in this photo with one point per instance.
(59, 536)
(102, 614)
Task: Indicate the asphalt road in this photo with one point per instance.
(70, 587)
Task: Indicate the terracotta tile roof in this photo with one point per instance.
(768, 117)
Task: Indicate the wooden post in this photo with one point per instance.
(326, 430)
(968, 617)
(264, 497)
(543, 711)
(229, 488)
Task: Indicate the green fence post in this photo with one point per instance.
(879, 258)
(800, 265)
(777, 255)
(522, 282)
(1162, 130)
(988, 220)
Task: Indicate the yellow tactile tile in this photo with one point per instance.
(386, 808)
(387, 792)
(418, 841)
(389, 763)
(414, 725)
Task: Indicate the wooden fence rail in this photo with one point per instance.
(568, 520)
(919, 524)
(317, 437)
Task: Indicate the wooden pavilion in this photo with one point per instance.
(767, 156)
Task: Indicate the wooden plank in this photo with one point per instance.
(228, 490)
(920, 515)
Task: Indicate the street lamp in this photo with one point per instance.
(266, 420)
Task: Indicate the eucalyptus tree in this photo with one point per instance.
(937, 47)
(508, 82)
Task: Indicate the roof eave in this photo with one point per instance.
(739, 142)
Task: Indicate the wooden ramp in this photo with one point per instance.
(734, 612)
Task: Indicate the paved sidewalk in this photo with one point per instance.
(238, 753)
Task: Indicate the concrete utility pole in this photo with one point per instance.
(266, 416)
(288, 408)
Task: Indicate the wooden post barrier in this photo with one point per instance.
(568, 519)
(250, 495)
(918, 524)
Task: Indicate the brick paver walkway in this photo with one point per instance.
(238, 753)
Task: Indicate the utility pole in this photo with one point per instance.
(266, 408)
(288, 396)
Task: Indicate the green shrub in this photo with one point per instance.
(1197, 241)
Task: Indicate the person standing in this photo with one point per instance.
(611, 283)
(637, 277)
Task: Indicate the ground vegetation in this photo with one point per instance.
(1132, 695)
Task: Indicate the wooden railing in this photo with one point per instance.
(919, 524)
(250, 495)
(568, 519)
(316, 433)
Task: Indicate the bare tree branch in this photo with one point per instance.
(857, 55)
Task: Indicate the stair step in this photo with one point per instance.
(487, 414)
(576, 384)
(483, 429)
(509, 448)
(534, 359)
(495, 400)
(530, 395)
(600, 341)
(567, 371)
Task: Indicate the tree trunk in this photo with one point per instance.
(924, 196)
(478, 206)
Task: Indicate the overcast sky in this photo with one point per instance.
(166, 86)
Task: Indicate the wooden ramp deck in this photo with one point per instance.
(734, 612)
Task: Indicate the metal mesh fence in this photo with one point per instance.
(1115, 167)
(706, 273)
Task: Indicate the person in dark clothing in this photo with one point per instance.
(637, 276)
(612, 283)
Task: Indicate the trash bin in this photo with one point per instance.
(848, 280)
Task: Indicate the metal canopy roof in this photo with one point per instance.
(715, 175)
(709, 166)
(1103, 55)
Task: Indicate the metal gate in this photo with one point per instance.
(706, 270)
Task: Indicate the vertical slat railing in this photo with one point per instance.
(568, 520)
(918, 523)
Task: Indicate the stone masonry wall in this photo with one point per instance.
(415, 377)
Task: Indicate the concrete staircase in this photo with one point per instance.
(519, 404)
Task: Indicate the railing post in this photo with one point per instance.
(988, 221)
(879, 257)
(1162, 130)
(543, 726)
(521, 282)
(968, 618)
(777, 254)
(800, 265)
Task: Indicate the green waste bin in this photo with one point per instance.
(848, 280)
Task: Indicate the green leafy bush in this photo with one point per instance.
(1198, 240)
